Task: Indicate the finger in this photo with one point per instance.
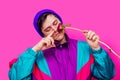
(97, 39)
(94, 38)
(92, 34)
(47, 42)
(50, 34)
(88, 34)
(52, 41)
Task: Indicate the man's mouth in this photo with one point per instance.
(57, 34)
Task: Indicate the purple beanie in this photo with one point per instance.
(39, 14)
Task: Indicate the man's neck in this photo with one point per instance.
(63, 40)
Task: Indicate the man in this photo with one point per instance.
(57, 57)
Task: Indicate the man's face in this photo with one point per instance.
(49, 25)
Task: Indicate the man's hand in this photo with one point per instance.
(92, 38)
(44, 43)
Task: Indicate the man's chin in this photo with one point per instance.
(59, 39)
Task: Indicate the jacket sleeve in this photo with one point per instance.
(22, 68)
(103, 67)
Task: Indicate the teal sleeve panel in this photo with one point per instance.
(103, 67)
(22, 68)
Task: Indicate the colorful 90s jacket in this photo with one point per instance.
(73, 60)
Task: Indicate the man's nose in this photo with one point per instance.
(54, 28)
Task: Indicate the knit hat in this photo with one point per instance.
(39, 14)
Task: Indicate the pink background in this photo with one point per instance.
(17, 32)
